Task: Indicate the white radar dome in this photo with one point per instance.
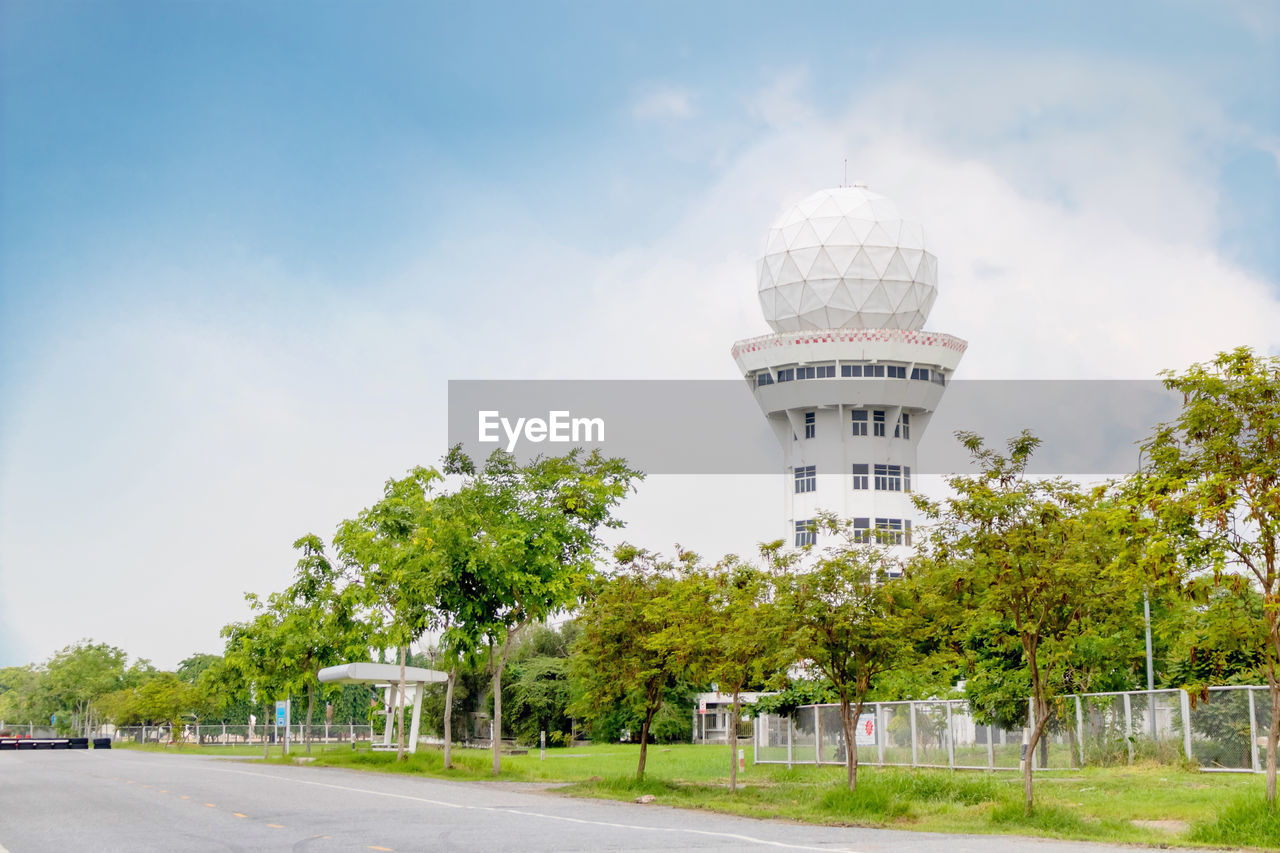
(844, 259)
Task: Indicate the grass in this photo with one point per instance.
(236, 750)
(1094, 804)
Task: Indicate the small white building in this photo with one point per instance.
(711, 716)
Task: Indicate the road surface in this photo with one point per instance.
(122, 800)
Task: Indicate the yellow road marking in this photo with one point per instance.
(128, 781)
(275, 826)
(146, 786)
(164, 791)
(237, 814)
(376, 847)
(210, 806)
(184, 796)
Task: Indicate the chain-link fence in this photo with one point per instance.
(1226, 725)
(233, 735)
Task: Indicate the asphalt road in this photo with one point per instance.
(121, 800)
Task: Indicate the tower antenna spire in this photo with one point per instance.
(846, 172)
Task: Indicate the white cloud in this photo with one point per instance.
(663, 103)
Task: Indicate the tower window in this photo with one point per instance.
(860, 477)
(907, 532)
(920, 373)
(806, 373)
(906, 479)
(764, 377)
(937, 378)
(859, 421)
(826, 371)
(889, 531)
(873, 370)
(805, 534)
(806, 479)
(787, 375)
(902, 429)
(862, 530)
(877, 420)
(851, 370)
(888, 478)
(896, 371)
(810, 424)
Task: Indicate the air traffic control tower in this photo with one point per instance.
(849, 378)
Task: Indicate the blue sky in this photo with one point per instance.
(244, 245)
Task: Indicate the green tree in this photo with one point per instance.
(848, 621)
(190, 668)
(254, 665)
(747, 638)
(388, 549)
(1038, 555)
(317, 623)
(1216, 469)
(540, 695)
(517, 543)
(19, 689)
(641, 631)
(1034, 554)
(75, 678)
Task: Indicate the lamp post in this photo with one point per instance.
(1146, 621)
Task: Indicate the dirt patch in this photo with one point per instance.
(1171, 826)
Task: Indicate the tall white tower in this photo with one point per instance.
(849, 379)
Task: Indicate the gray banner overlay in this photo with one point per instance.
(1088, 427)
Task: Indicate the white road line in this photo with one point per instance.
(749, 839)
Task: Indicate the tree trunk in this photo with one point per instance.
(311, 705)
(1037, 731)
(400, 711)
(448, 719)
(649, 711)
(266, 745)
(849, 714)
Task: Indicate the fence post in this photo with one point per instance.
(1026, 734)
(1080, 729)
(817, 736)
(791, 725)
(1253, 732)
(882, 732)
(951, 741)
(1128, 725)
(1185, 701)
(913, 733)
(991, 747)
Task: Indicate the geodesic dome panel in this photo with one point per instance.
(844, 259)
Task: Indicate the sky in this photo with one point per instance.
(244, 246)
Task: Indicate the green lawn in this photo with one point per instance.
(254, 749)
(1096, 804)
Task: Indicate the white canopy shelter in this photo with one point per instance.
(387, 677)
